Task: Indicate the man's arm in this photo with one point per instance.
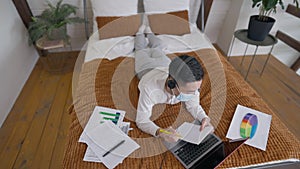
(144, 112)
(196, 110)
(194, 107)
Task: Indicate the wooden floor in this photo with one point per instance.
(34, 134)
(279, 86)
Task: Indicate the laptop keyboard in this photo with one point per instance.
(190, 152)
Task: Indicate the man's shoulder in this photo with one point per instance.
(153, 79)
(154, 75)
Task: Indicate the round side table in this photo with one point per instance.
(241, 34)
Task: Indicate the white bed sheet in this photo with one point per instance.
(123, 46)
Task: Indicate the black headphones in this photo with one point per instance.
(171, 83)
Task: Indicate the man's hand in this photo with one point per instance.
(169, 135)
(205, 122)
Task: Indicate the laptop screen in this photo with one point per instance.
(230, 148)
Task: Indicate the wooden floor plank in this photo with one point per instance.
(279, 102)
(45, 148)
(34, 134)
(60, 145)
(16, 112)
(20, 134)
(16, 139)
(278, 86)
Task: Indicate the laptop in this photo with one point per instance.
(210, 153)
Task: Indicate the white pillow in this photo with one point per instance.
(164, 6)
(113, 8)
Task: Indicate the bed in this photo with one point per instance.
(107, 78)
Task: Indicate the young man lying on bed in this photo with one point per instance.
(165, 81)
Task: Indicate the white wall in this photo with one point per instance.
(17, 59)
(230, 20)
(214, 24)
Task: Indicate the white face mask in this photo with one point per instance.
(184, 97)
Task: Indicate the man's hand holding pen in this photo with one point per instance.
(169, 134)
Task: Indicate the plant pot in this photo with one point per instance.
(258, 30)
(54, 62)
(57, 33)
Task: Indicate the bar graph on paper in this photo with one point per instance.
(102, 114)
(114, 117)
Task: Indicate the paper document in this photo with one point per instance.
(191, 132)
(104, 137)
(251, 123)
(99, 116)
(90, 156)
(125, 127)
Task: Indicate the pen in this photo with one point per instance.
(239, 139)
(116, 146)
(167, 132)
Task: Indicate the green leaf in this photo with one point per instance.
(55, 16)
(256, 3)
(269, 4)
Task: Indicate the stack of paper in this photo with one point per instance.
(191, 132)
(102, 114)
(104, 130)
(106, 136)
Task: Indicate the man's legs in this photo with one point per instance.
(156, 46)
(147, 59)
(140, 41)
(142, 53)
(154, 42)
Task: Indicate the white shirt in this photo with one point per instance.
(152, 91)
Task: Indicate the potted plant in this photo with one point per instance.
(260, 25)
(52, 22)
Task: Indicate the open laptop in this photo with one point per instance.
(210, 153)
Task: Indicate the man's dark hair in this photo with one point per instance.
(185, 69)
